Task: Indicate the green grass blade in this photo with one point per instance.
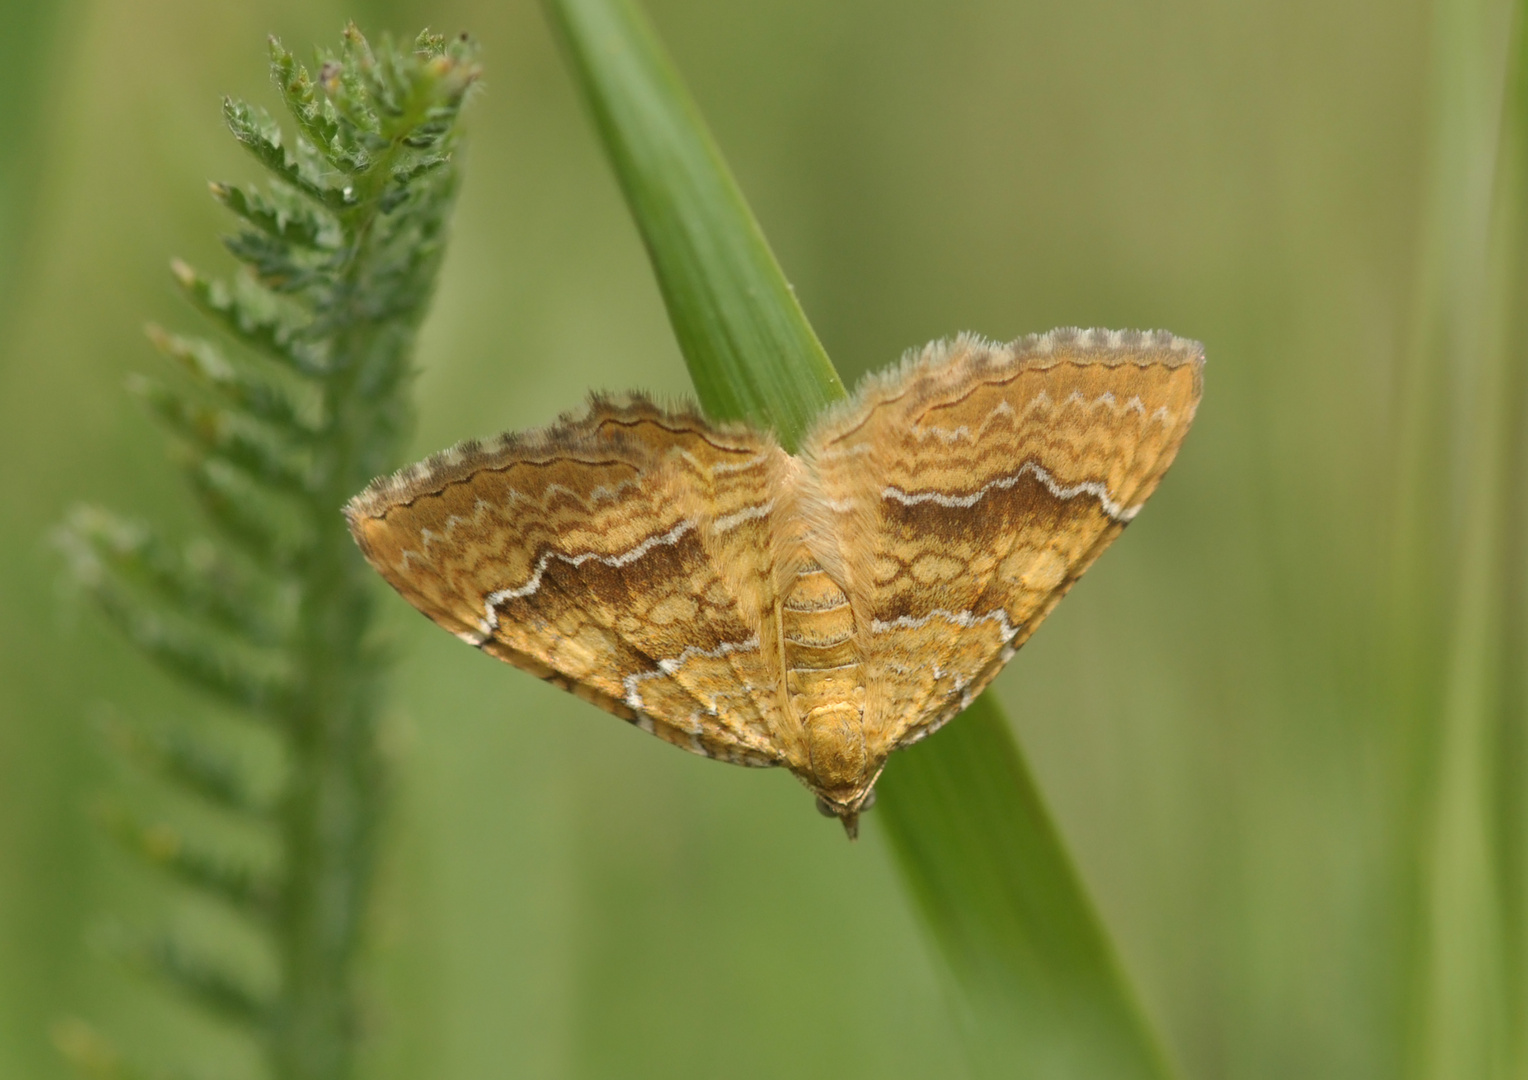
(1040, 980)
(751, 352)
(1513, 199)
(1472, 352)
(970, 831)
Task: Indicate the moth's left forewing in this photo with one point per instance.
(977, 483)
(582, 554)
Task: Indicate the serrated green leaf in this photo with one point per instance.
(405, 176)
(225, 435)
(346, 80)
(206, 981)
(235, 384)
(388, 85)
(251, 319)
(415, 187)
(280, 267)
(198, 583)
(180, 757)
(216, 669)
(247, 889)
(261, 136)
(288, 219)
(429, 44)
(243, 518)
(315, 117)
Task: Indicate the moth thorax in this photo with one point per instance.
(835, 742)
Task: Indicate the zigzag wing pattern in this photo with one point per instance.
(971, 488)
(588, 555)
(816, 611)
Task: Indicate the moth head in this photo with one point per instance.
(839, 768)
(848, 813)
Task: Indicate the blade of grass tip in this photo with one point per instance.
(971, 834)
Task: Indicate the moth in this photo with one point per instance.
(815, 610)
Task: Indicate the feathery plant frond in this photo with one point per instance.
(296, 403)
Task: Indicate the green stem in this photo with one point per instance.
(336, 797)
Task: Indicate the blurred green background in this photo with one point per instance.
(564, 896)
